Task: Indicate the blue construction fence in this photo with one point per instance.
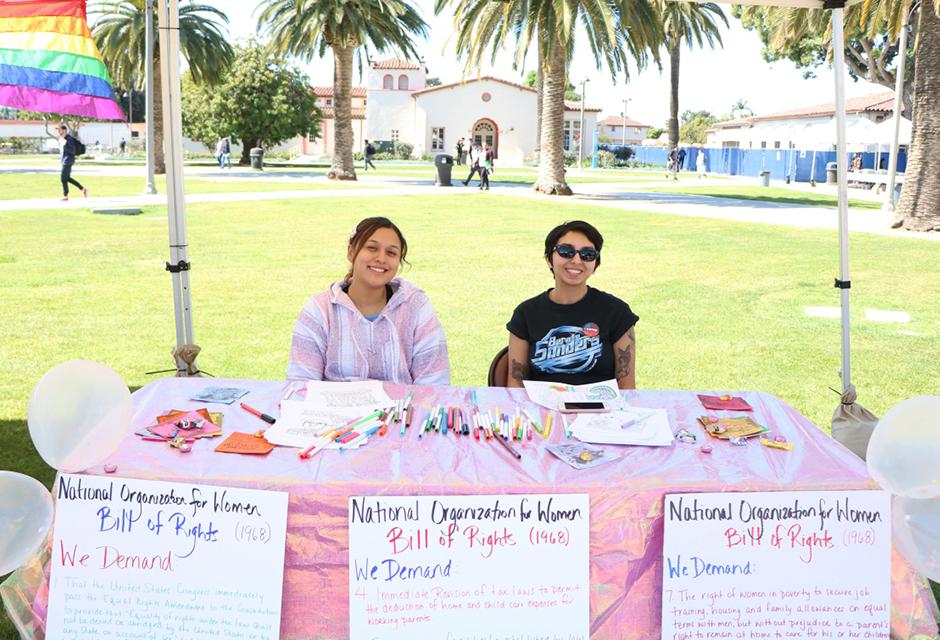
(796, 164)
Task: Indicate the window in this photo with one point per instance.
(329, 102)
(388, 82)
(403, 82)
(437, 138)
(776, 144)
(572, 133)
(612, 129)
(394, 135)
(763, 144)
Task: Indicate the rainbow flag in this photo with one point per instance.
(49, 61)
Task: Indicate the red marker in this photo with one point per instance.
(257, 413)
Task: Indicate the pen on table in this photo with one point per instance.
(564, 423)
(548, 425)
(258, 414)
(362, 436)
(324, 440)
(506, 446)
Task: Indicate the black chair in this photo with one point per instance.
(499, 369)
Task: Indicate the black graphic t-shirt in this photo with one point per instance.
(572, 343)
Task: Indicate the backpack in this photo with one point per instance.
(79, 147)
(370, 150)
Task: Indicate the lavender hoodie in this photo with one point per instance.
(334, 341)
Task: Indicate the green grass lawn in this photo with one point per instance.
(46, 185)
(767, 194)
(721, 303)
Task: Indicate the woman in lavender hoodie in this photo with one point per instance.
(370, 325)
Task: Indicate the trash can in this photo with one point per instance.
(832, 173)
(443, 164)
(257, 156)
(765, 178)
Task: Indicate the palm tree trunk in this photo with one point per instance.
(673, 124)
(342, 166)
(159, 159)
(538, 107)
(919, 207)
(551, 178)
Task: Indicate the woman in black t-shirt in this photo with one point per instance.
(573, 333)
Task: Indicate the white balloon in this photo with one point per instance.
(904, 449)
(25, 516)
(916, 525)
(79, 413)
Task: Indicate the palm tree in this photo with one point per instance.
(696, 24)
(741, 109)
(119, 32)
(919, 206)
(307, 28)
(615, 30)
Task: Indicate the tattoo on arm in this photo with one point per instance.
(519, 370)
(625, 356)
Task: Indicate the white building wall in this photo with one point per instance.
(389, 111)
(460, 107)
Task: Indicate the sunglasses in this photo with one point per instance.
(587, 253)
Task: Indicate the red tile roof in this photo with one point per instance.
(883, 101)
(357, 113)
(617, 121)
(327, 92)
(395, 64)
(451, 85)
(570, 106)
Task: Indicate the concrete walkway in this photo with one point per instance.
(628, 196)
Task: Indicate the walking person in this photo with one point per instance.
(680, 156)
(700, 167)
(671, 164)
(218, 152)
(71, 147)
(460, 151)
(226, 153)
(367, 153)
(474, 159)
(123, 146)
(487, 167)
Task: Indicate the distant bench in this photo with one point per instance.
(875, 180)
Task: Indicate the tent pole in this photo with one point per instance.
(149, 188)
(898, 102)
(842, 283)
(178, 266)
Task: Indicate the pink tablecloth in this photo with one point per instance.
(626, 498)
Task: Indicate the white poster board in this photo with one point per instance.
(498, 567)
(777, 565)
(161, 560)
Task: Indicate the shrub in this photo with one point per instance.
(605, 159)
(403, 150)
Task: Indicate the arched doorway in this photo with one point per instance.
(485, 130)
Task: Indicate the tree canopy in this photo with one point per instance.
(261, 99)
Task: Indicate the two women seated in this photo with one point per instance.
(375, 325)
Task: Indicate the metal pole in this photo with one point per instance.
(843, 283)
(581, 130)
(898, 102)
(149, 187)
(130, 115)
(178, 266)
(623, 118)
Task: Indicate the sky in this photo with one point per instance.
(711, 80)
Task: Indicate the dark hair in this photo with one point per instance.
(364, 231)
(580, 226)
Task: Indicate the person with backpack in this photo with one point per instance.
(487, 167)
(368, 152)
(475, 159)
(71, 147)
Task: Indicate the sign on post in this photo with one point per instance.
(161, 561)
(494, 566)
(797, 565)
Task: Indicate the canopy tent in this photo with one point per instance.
(179, 261)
